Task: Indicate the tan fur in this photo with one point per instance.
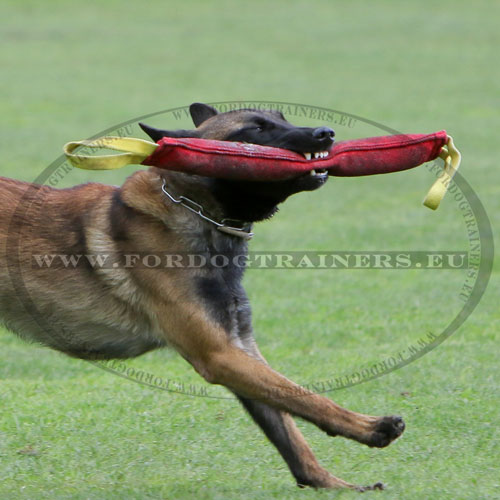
(123, 312)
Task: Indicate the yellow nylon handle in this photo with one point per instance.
(452, 157)
(135, 151)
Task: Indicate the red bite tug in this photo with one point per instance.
(233, 160)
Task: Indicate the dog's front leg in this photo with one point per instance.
(280, 428)
(283, 433)
(206, 345)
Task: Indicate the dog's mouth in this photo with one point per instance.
(315, 156)
(313, 152)
(320, 173)
(319, 155)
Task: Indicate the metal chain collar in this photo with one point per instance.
(242, 232)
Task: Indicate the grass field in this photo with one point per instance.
(69, 430)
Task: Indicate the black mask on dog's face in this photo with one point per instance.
(251, 200)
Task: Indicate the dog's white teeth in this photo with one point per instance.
(319, 173)
(320, 154)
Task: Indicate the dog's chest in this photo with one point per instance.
(218, 284)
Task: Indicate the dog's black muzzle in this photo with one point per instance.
(324, 134)
(305, 140)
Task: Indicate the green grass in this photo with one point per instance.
(70, 70)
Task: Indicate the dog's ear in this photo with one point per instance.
(279, 114)
(201, 112)
(156, 134)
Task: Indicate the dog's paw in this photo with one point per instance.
(386, 430)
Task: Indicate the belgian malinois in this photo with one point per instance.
(119, 311)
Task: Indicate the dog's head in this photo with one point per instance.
(255, 200)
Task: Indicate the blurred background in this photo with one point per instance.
(69, 70)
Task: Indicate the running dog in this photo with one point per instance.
(122, 311)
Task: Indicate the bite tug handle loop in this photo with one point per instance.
(452, 157)
(134, 151)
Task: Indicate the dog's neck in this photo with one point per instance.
(233, 227)
(239, 202)
(234, 205)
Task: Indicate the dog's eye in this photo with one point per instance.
(261, 126)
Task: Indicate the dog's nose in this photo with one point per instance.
(323, 133)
